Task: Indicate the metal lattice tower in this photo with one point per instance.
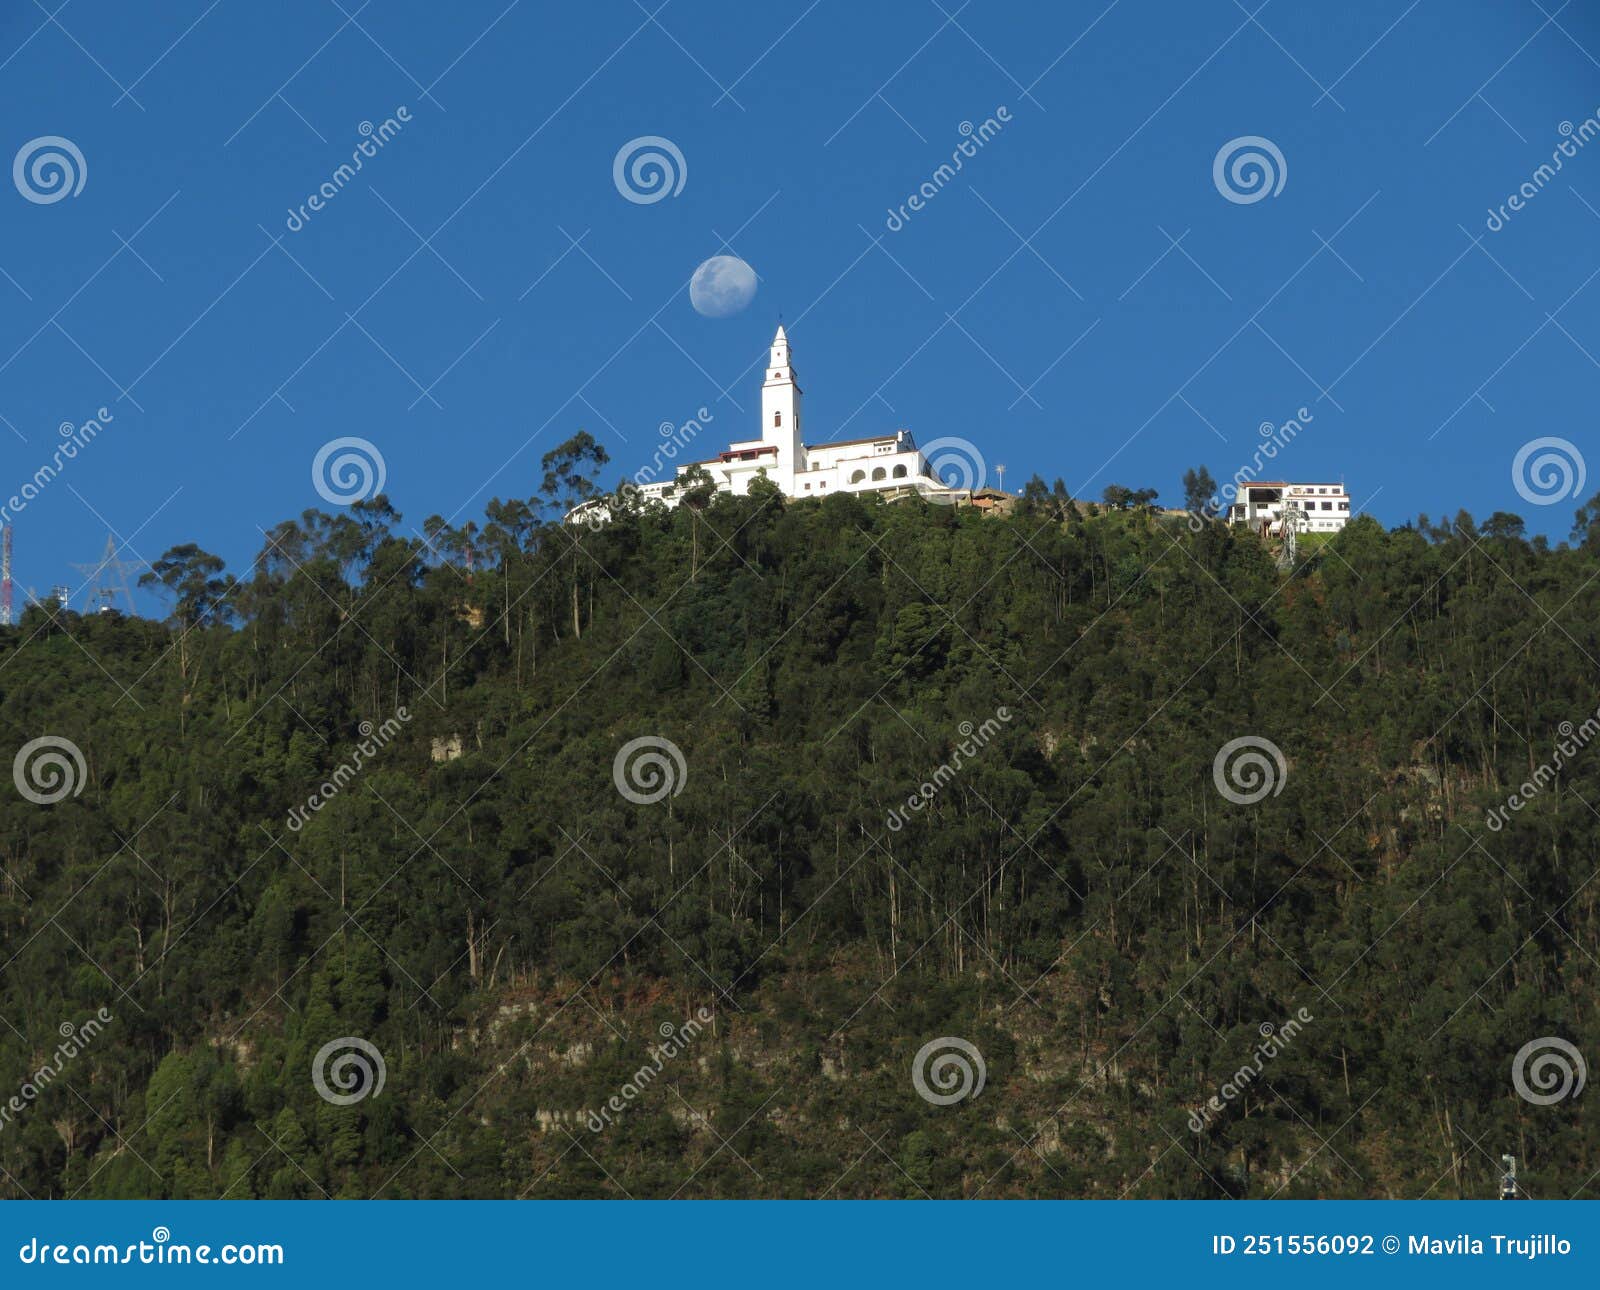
(1293, 518)
(104, 579)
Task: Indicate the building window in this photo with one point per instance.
(856, 476)
(777, 418)
(878, 472)
(899, 472)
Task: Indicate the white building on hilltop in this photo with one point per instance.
(1260, 504)
(890, 463)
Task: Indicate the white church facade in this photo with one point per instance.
(889, 463)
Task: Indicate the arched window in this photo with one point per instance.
(899, 472)
(856, 476)
(777, 418)
(878, 472)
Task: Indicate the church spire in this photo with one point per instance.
(780, 413)
(780, 369)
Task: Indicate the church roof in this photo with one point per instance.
(850, 443)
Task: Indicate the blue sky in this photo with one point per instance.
(1036, 306)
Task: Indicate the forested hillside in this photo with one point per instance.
(942, 776)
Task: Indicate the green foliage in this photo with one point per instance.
(480, 903)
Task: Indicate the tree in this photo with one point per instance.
(766, 492)
(1586, 524)
(1505, 526)
(190, 575)
(193, 578)
(1199, 492)
(569, 471)
(697, 488)
(853, 847)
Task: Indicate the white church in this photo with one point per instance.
(890, 464)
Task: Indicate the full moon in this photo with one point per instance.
(722, 286)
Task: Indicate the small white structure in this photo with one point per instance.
(890, 463)
(1261, 503)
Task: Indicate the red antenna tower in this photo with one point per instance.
(5, 577)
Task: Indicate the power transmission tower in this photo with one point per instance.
(1293, 519)
(104, 579)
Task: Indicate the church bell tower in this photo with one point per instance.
(780, 414)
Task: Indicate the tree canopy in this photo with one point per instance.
(372, 789)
